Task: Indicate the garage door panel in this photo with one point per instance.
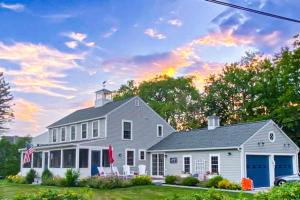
(283, 165)
(258, 170)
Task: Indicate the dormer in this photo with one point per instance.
(103, 97)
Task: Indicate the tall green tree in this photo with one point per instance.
(6, 113)
(177, 100)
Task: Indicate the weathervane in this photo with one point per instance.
(103, 84)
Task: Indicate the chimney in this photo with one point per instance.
(213, 122)
(103, 97)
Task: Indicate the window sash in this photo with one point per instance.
(105, 158)
(127, 130)
(187, 164)
(54, 136)
(83, 131)
(96, 129)
(142, 155)
(214, 163)
(63, 134)
(159, 130)
(130, 157)
(73, 132)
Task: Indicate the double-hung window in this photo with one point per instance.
(95, 129)
(73, 133)
(63, 134)
(214, 164)
(127, 130)
(142, 155)
(130, 161)
(83, 131)
(54, 135)
(187, 160)
(159, 130)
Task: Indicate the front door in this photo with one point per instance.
(158, 164)
(46, 161)
(96, 162)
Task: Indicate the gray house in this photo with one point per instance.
(258, 150)
(139, 136)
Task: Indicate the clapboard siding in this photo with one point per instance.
(280, 145)
(230, 165)
(144, 126)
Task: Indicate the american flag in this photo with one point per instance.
(28, 153)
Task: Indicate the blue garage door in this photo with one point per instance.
(283, 165)
(258, 170)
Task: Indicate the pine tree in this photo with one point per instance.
(6, 112)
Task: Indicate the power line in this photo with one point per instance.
(254, 11)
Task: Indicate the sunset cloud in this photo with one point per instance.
(40, 68)
(71, 44)
(154, 34)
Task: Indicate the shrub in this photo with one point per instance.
(71, 177)
(16, 179)
(104, 182)
(56, 195)
(224, 184)
(170, 179)
(234, 186)
(46, 175)
(190, 181)
(141, 180)
(30, 176)
(55, 181)
(289, 191)
(213, 182)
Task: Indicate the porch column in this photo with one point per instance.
(61, 158)
(21, 161)
(77, 158)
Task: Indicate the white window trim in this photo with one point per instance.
(162, 130)
(191, 163)
(86, 131)
(219, 162)
(131, 130)
(274, 136)
(98, 124)
(140, 154)
(71, 132)
(56, 136)
(126, 150)
(61, 130)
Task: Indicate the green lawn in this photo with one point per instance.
(8, 191)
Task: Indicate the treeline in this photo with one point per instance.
(255, 88)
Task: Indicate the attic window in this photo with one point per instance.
(137, 102)
(272, 136)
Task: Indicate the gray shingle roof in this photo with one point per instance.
(224, 136)
(89, 113)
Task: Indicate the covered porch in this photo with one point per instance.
(59, 159)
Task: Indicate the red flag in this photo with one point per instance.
(110, 152)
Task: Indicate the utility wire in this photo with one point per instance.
(254, 11)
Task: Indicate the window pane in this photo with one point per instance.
(130, 158)
(55, 158)
(142, 155)
(214, 164)
(73, 133)
(95, 129)
(105, 158)
(54, 135)
(69, 157)
(37, 159)
(83, 158)
(83, 131)
(127, 130)
(27, 165)
(63, 134)
(159, 131)
(187, 164)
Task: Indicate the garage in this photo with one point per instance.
(258, 170)
(283, 165)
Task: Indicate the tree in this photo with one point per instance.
(177, 100)
(6, 113)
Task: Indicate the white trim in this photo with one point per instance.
(242, 163)
(140, 150)
(252, 136)
(131, 129)
(126, 150)
(162, 130)
(195, 149)
(61, 131)
(86, 131)
(98, 129)
(71, 132)
(105, 127)
(219, 162)
(274, 136)
(191, 163)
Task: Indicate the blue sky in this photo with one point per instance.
(56, 53)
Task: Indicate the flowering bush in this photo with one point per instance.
(56, 195)
(55, 181)
(16, 179)
(104, 182)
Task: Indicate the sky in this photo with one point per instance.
(55, 54)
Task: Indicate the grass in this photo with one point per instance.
(8, 191)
